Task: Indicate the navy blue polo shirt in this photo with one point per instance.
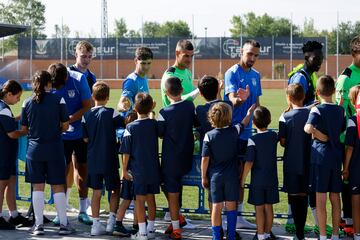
(352, 139)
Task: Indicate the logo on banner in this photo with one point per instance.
(41, 46)
(231, 47)
(196, 43)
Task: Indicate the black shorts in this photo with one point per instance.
(259, 195)
(221, 191)
(97, 181)
(52, 173)
(294, 183)
(78, 147)
(325, 180)
(7, 171)
(127, 190)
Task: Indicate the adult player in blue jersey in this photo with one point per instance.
(73, 87)
(136, 81)
(243, 89)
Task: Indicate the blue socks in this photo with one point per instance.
(231, 224)
(216, 232)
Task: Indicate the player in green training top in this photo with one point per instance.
(349, 77)
(184, 54)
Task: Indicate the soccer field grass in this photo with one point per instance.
(271, 98)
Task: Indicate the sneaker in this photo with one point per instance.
(182, 221)
(237, 235)
(120, 230)
(56, 221)
(176, 234)
(167, 216)
(129, 214)
(151, 234)
(97, 229)
(66, 230)
(290, 228)
(243, 223)
(110, 225)
(272, 236)
(169, 229)
(4, 225)
(84, 218)
(139, 236)
(308, 229)
(37, 230)
(348, 230)
(19, 219)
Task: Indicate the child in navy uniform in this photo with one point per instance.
(45, 115)
(352, 161)
(326, 157)
(10, 94)
(219, 168)
(140, 150)
(296, 157)
(175, 125)
(99, 129)
(261, 159)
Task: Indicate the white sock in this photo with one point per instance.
(150, 226)
(316, 221)
(14, 213)
(60, 204)
(323, 237)
(335, 237)
(38, 204)
(68, 191)
(83, 205)
(240, 207)
(357, 236)
(175, 224)
(223, 222)
(267, 235)
(142, 228)
(290, 220)
(112, 215)
(261, 236)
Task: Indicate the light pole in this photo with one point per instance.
(205, 36)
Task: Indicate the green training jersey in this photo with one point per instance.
(349, 78)
(186, 81)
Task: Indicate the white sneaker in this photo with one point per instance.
(97, 229)
(167, 216)
(110, 224)
(139, 236)
(129, 214)
(151, 234)
(243, 223)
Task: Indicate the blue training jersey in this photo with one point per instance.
(8, 146)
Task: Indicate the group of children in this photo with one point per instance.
(312, 158)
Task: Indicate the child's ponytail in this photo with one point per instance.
(40, 80)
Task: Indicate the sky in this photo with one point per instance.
(84, 16)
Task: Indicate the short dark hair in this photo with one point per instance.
(326, 85)
(173, 86)
(208, 87)
(355, 45)
(262, 117)
(296, 92)
(311, 46)
(143, 103)
(252, 42)
(184, 44)
(59, 74)
(101, 91)
(143, 53)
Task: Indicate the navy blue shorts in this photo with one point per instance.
(78, 147)
(221, 191)
(52, 173)
(111, 180)
(144, 189)
(261, 195)
(172, 184)
(242, 145)
(325, 180)
(354, 189)
(294, 183)
(127, 190)
(7, 171)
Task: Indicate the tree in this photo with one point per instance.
(309, 29)
(260, 26)
(133, 34)
(24, 12)
(61, 32)
(120, 28)
(151, 29)
(170, 28)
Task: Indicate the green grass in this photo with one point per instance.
(273, 99)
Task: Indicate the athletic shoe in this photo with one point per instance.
(120, 230)
(110, 225)
(84, 218)
(237, 235)
(97, 229)
(290, 228)
(19, 219)
(342, 223)
(167, 216)
(151, 234)
(169, 229)
(308, 229)
(176, 234)
(56, 221)
(37, 230)
(139, 236)
(66, 230)
(4, 225)
(182, 220)
(349, 230)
